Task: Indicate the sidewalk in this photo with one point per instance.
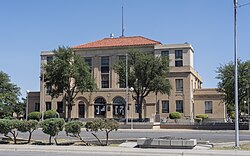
(97, 150)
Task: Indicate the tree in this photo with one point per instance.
(106, 125)
(73, 129)
(10, 126)
(146, 73)
(35, 116)
(69, 74)
(226, 84)
(28, 126)
(9, 93)
(52, 127)
(51, 114)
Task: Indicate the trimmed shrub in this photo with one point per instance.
(198, 120)
(174, 115)
(106, 125)
(10, 126)
(73, 129)
(28, 126)
(52, 127)
(35, 116)
(202, 116)
(232, 115)
(51, 114)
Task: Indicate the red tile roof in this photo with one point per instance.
(118, 42)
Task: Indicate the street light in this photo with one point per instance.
(132, 107)
(248, 94)
(236, 78)
(27, 104)
(126, 96)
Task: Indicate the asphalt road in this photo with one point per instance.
(205, 135)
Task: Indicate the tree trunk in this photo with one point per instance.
(97, 138)
(140, 108)
(107, 137)
(69, 108)
(87, 144)
(50, 139)
(14, 136)
(30, 133)
(55, 140)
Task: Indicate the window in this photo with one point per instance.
(165, 53)
(179, 106)
(88, 61)
(59, 107)
(179, 85)
(48, 106)
(105, 72)
(208, 107)
(37, 107)
(49, 59)
(178, 58)
(100, 107)
(118, 107)
(165, 106)
(105, 81)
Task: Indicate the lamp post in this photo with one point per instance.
(27, 104)
(132, 107)
(43, 90)
(236, 78)
(248, 94)
(126, 96)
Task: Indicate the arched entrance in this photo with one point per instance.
(100, 107)
(81, 109)
(118, 107)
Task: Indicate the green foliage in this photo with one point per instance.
(73, 129)
(35, 116)
(10, 126)
(226, 83)
(9, 93)
(202, 116)
(198, 120)
(52, 127)
(174, 115)
(28, 126)
(146, 73)
(232, 115)
(51, 114)
(65, 69)
(106, 125)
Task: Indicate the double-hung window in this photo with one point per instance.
(178, 58)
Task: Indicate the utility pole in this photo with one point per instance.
(126, 96)
(236, 78)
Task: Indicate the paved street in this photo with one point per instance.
(215, 136)
(32, 150)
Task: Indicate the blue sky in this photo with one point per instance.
(29, 27)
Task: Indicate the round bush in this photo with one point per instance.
(73, 127)
(35, 116)
(232, 115)
(51, 114)
(198, 120)
(175, 115)
(202, 116)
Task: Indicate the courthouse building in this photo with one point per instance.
(186, 97)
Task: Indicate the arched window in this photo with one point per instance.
(118, 107)
(100, 107)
